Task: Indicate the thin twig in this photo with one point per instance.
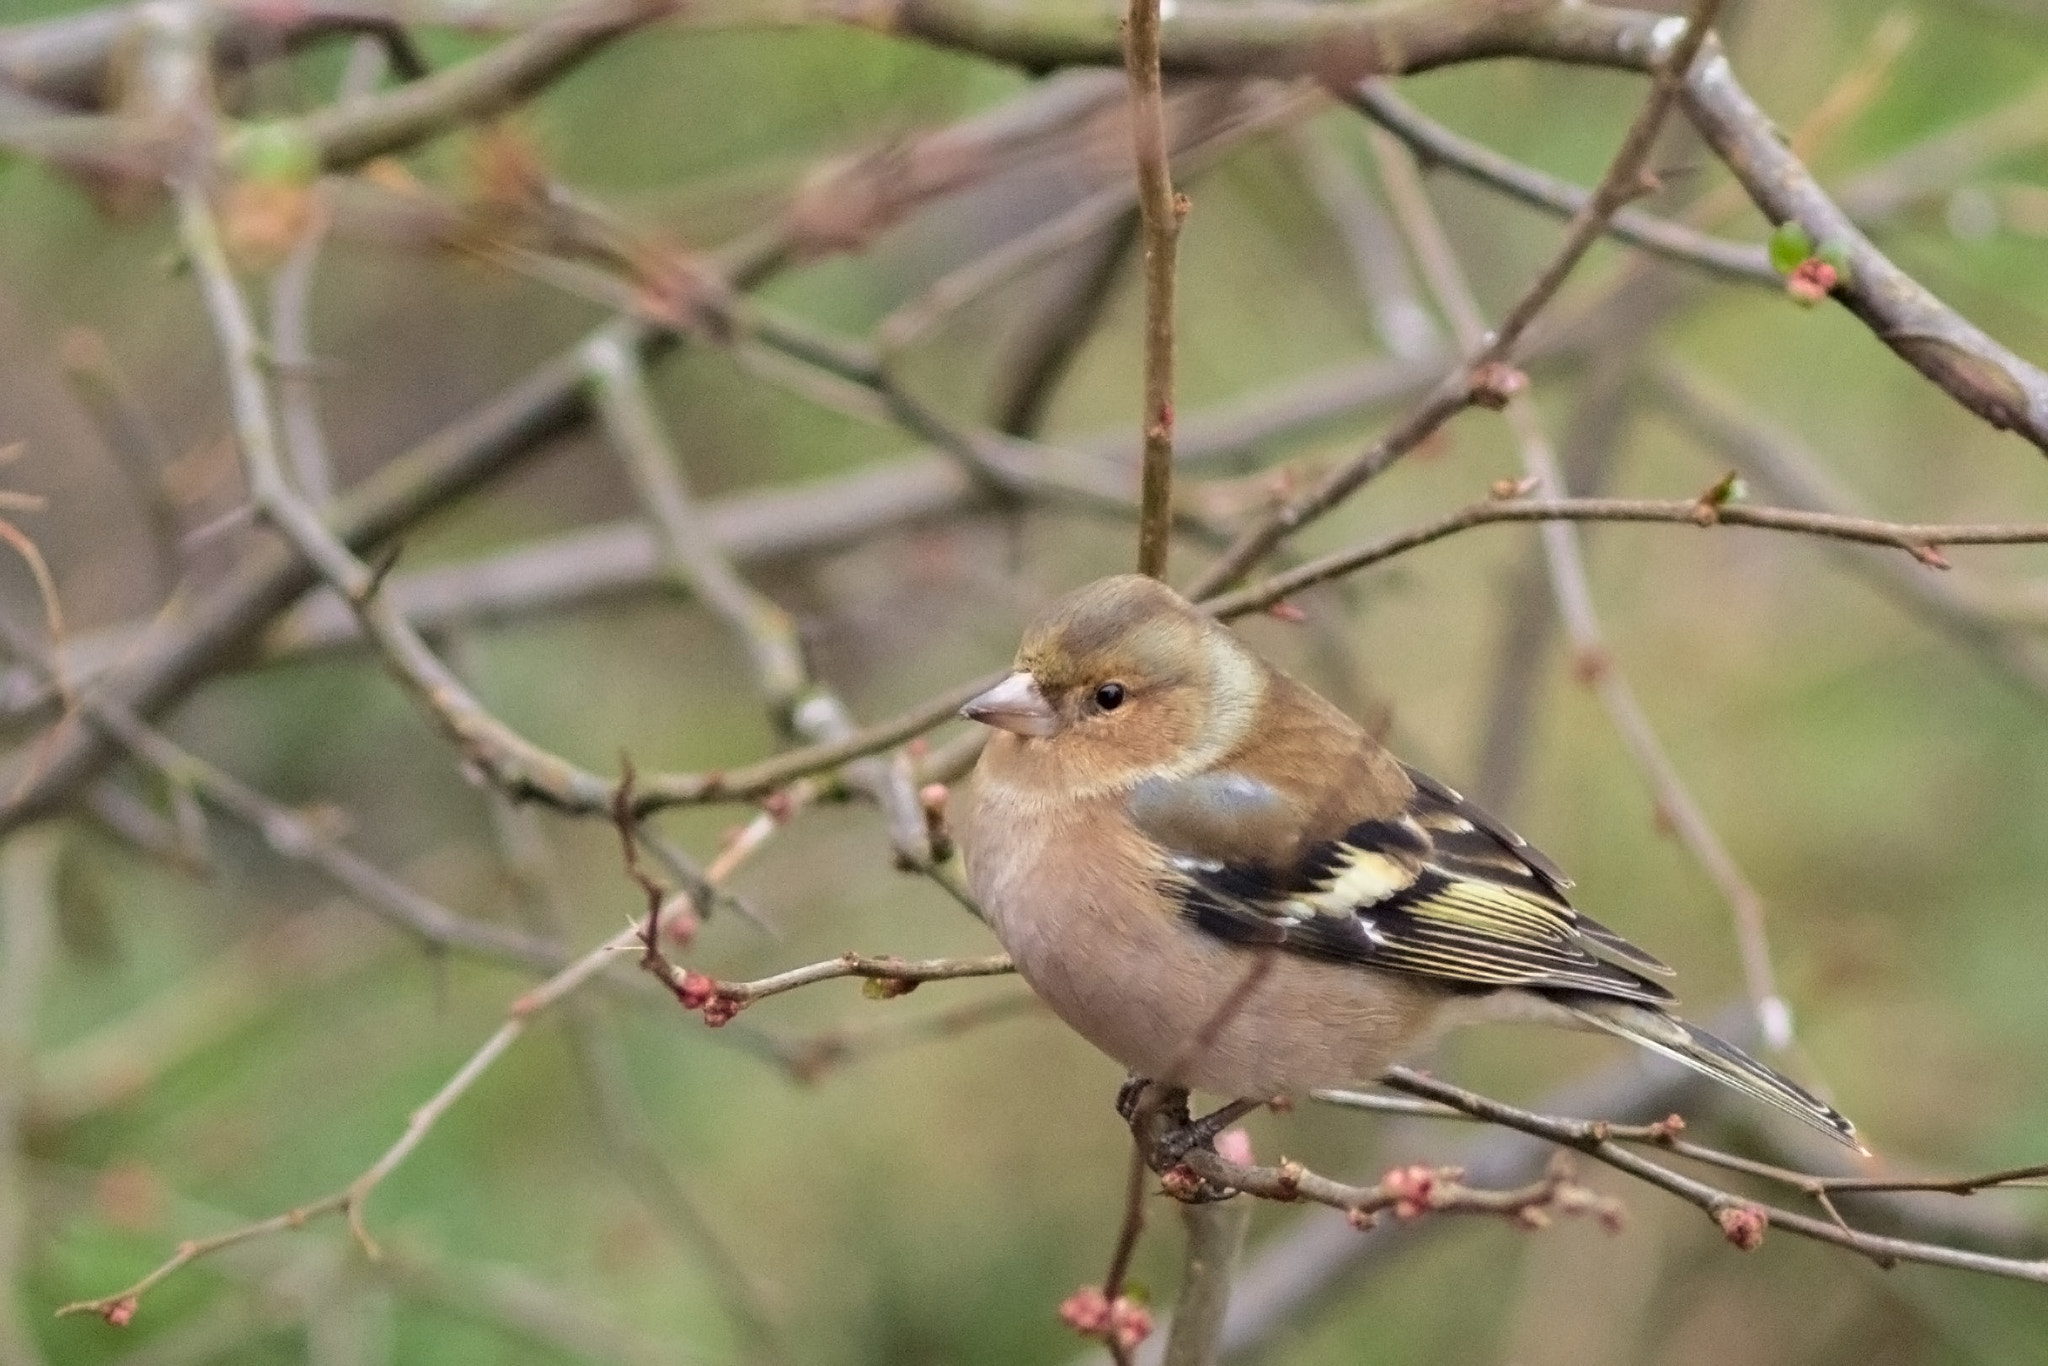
(600, 1063)
(1483, 375)
(1160, 211)
(1589, 1137)
(1911, 538)
(1572, 589)
(349, 1201)
(1436, 145)
(291, 835)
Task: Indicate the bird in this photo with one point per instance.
(1219, 879)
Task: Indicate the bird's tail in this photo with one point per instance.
(1716, 1058)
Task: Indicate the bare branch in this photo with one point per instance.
(1436, 145)
(1909, 537)
(1590, 1137)
(1160, 211)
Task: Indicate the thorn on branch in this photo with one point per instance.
(1508, 490)
(1931, 556)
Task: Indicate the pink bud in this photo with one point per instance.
(696, 990)
(1412, 1189)
(1086, 1311)
(1743, 1225)
(1812, 280)
(1130, 1323)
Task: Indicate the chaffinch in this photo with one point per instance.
(1159, 807)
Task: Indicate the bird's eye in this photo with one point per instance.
(1109, 696)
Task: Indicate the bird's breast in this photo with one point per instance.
(1074, 893)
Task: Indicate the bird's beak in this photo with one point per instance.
(1015, 705)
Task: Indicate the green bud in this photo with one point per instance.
(278, 152)
(1790, 245)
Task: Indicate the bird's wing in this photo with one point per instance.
(1437, 888)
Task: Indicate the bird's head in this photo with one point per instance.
(1124, 679)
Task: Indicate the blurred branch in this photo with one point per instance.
(347, 135)
(134, 822)
(631, 1147)
(1208, 122)
(223, 622)
(1484, 376)
(1055, 332)
(194, 1012)
(1571, 587)
(1401, 319)
(1282, 37)
(1934, 165)
(292, 835)
(119, 1308)
(1603, 411)
(799, 706)
(133, 439)
(510, 1301)
(627, 413)
(1435, 145)
(1215, 1239)
(28, 933)
(1967, 610)
(70, 60)
(292, 361)
(814, 516)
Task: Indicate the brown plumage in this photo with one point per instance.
(1221, 881)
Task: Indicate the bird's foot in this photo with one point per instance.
(1191, 1134)
(1159, 1119)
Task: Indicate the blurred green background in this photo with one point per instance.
(1885, 787)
